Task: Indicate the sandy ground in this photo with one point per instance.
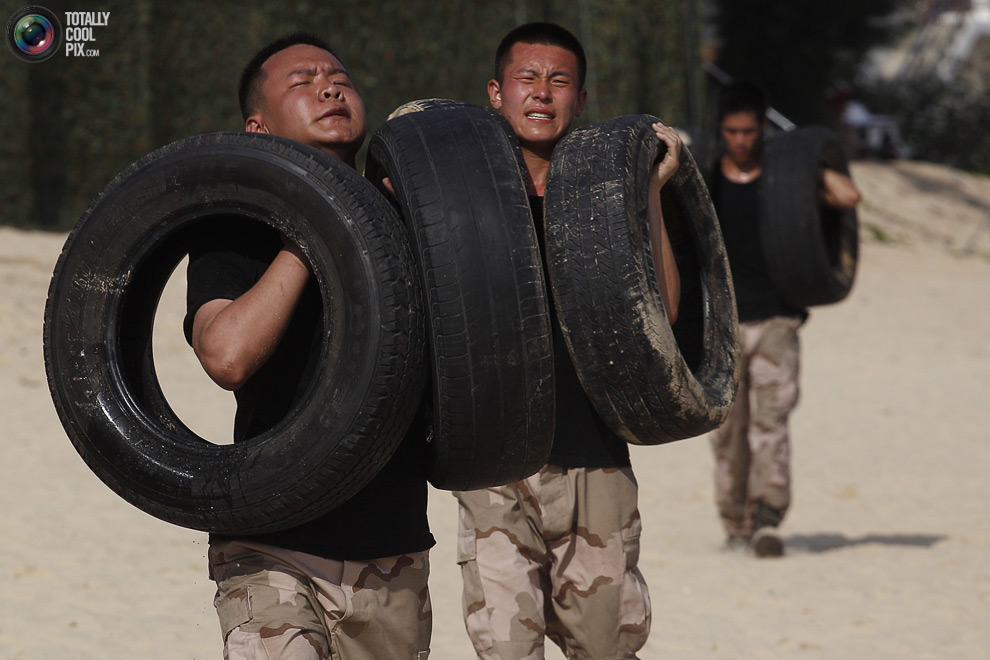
(887, 541)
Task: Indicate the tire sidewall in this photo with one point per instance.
(136, 450)
(811, 250)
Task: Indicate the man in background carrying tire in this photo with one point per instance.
(752, 450)
(353, 582)
(555, 555)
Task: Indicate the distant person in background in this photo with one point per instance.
(752, 447)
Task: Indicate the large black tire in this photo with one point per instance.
(101, 307)
(811, 249)
(456, 176)
(649, 384)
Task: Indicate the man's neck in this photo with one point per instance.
(537, 165)
(348, 156)
(741, 172)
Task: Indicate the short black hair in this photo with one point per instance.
(249, 88)
(743, 96)
(544, 34)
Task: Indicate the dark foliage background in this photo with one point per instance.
(798, 49)
(167, 70)
(941, 122)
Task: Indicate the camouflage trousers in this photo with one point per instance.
(554, 556)
(752, 448)
(276, 603)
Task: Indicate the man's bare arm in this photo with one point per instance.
(670, 279)
(838, 190)
(234, 338)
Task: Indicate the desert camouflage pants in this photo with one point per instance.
(276, 603)
(554, 556)
(752, 448)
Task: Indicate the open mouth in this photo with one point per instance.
(539, 116)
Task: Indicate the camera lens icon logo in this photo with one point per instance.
(33, 34)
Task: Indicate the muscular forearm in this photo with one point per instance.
(666, 267)
(668, 276)
(838, 190)
(234, 338)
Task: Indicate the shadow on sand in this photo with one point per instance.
(826, 542)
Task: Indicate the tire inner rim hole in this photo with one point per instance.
(203, 406)
(200, 404)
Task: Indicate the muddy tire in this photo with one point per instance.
(649, 383)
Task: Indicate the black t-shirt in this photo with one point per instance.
(738, 209)
(581, 438)
(388, 516)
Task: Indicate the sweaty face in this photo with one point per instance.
(539, 94)
(742, 132)
(308, 97)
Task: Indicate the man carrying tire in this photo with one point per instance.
(555, 555)
(352, 583)
(752, 450)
